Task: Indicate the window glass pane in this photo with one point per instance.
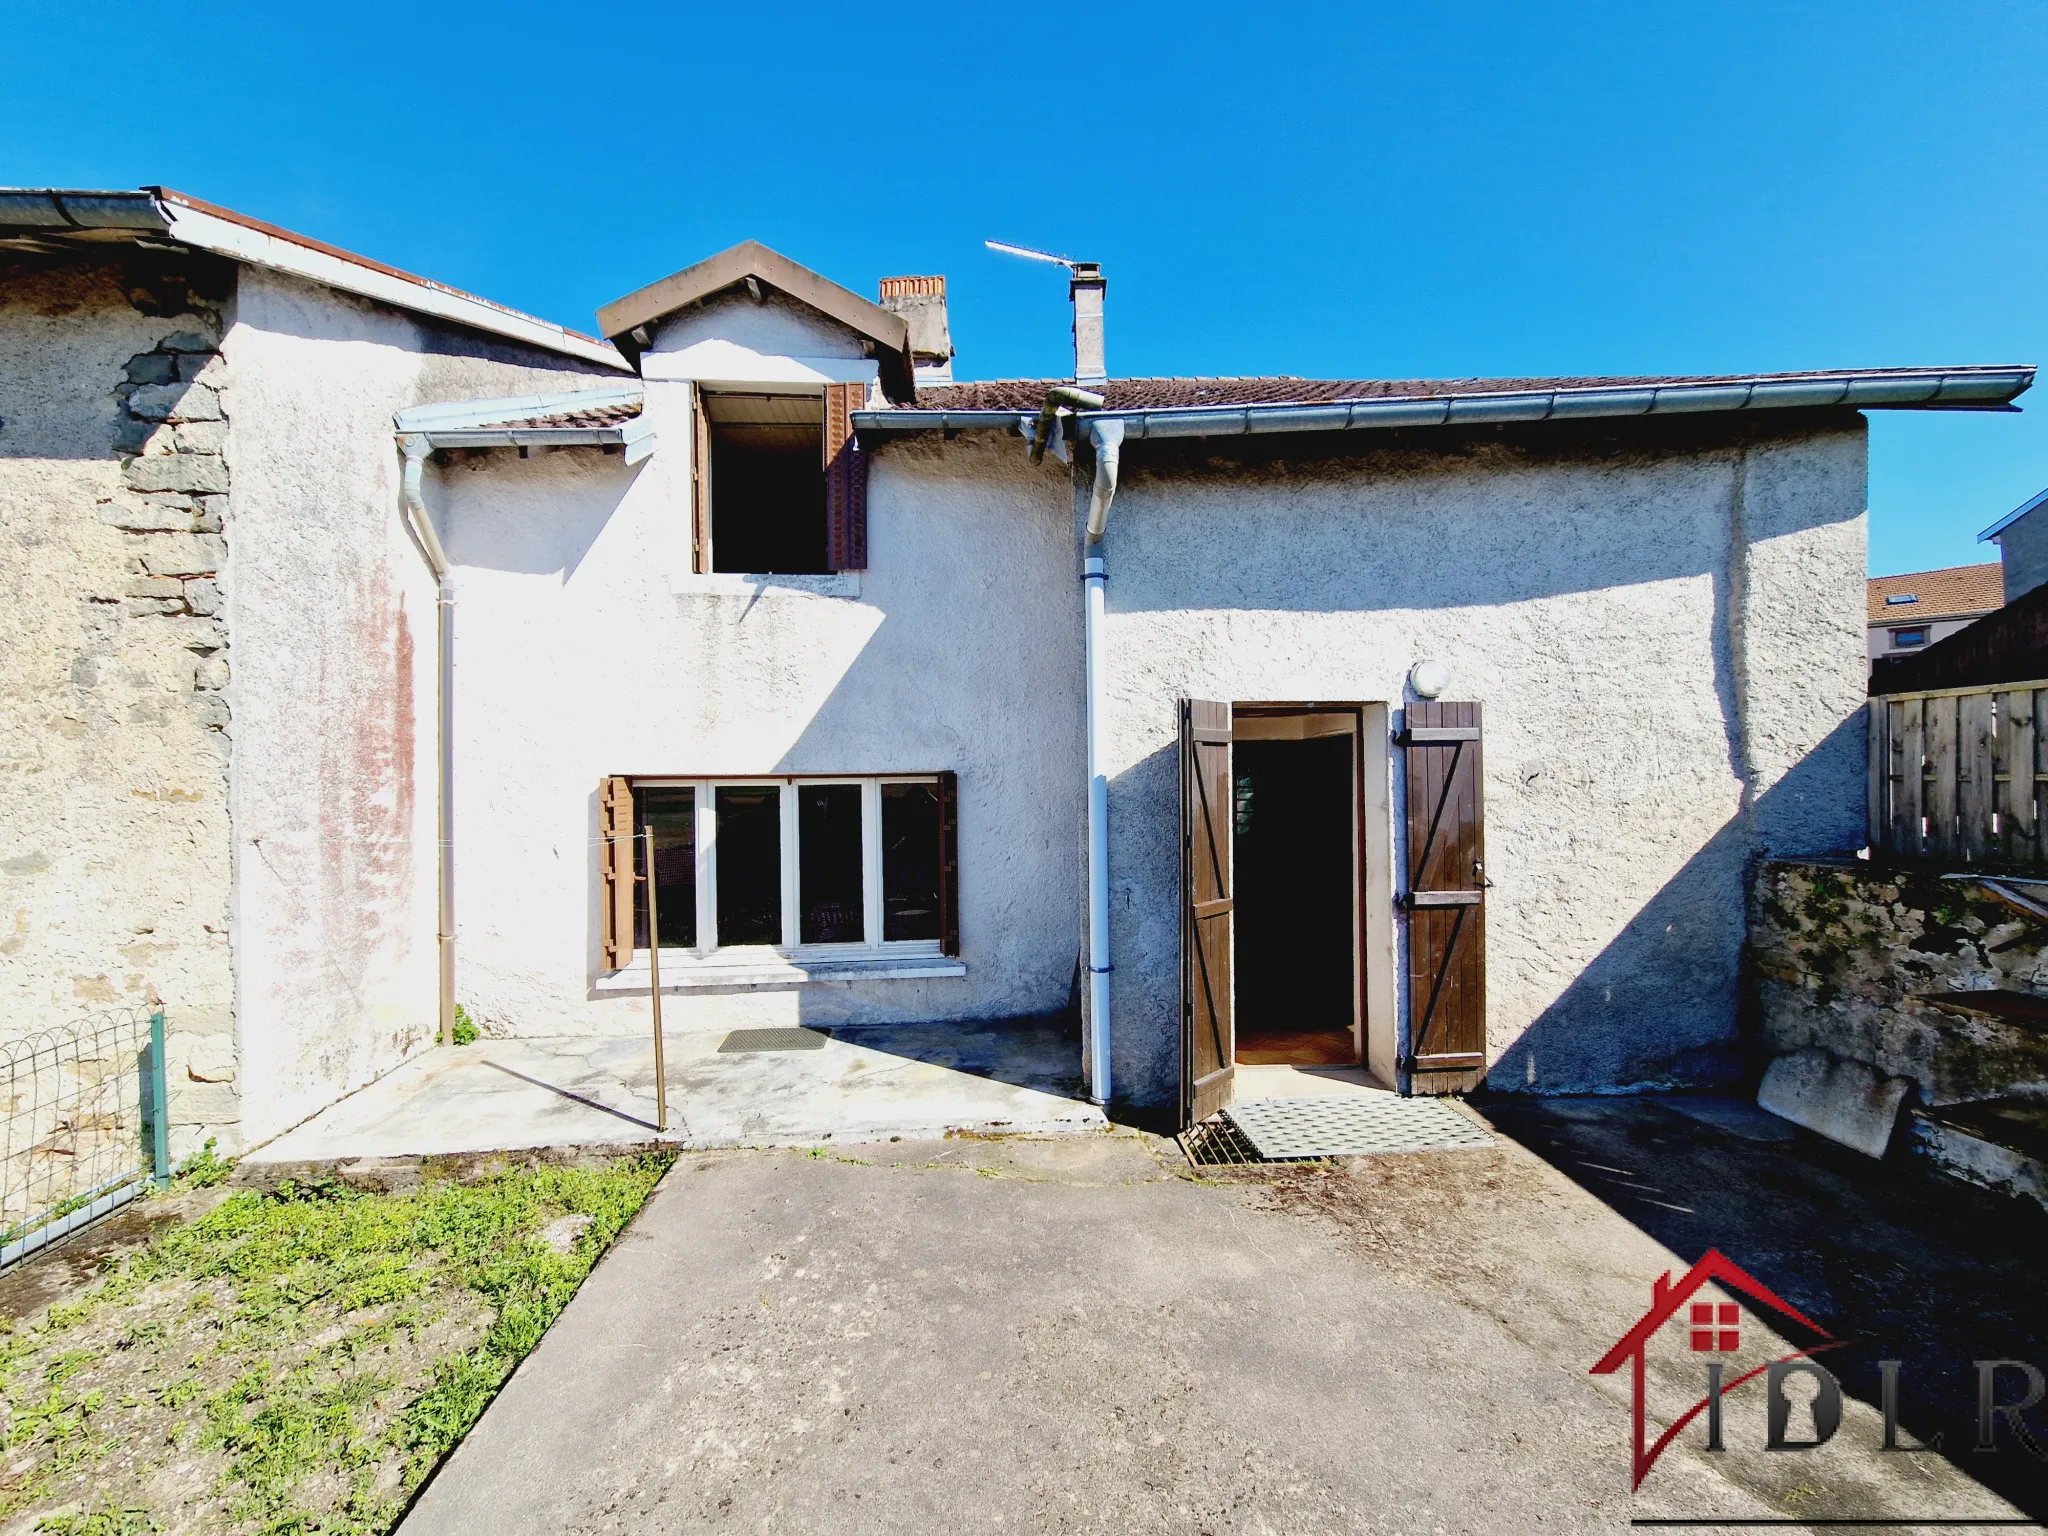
(910, 861)
(749, 865)
(828, 863)
(672, 814)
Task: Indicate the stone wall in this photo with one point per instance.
(114, 479)
(1843, 954)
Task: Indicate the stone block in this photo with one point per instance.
(212, 710)
(154, 586)
(205, 1103)
(1845, 1101)
(202, 437)
(208, 517)
(206, 1058)
(184, 554)
(177, 472)
(210, 673)
(144, 607)
(187, 341)
(132, 436)
(149, 514)
(200, 1019)
(152, 368)
(203, 368)
(204, 596)
(174, 402)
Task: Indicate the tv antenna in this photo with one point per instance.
(1025, 251)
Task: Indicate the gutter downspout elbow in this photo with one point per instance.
(416, 448)
(1107, 436)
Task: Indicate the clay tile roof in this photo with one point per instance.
(1944, 594)
(588, 416)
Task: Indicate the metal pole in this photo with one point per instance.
(160, 1101)
(654, 980)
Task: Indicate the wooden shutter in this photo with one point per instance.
(1207, 1029)
(846, 480)
(949, 863)
(700, 485)
(616, 864)
(1446, 899)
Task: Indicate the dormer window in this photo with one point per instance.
(780, 483)
(767, 473)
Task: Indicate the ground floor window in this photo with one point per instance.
(796, 864)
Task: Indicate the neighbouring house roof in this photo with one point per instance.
(1222, 407)
(2009, 645)
(2039, 498)
(752, 265)
(55, 220)
(608, 415)
(1958, 592)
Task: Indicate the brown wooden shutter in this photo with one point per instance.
(616, 864)
(1446, 899)
(700, 485)
(1207, 1021)
(949, 863)
(846, 480)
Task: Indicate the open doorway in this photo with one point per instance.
(1296, 858)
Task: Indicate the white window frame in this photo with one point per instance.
(705, 810)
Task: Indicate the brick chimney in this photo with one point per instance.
(921, 301)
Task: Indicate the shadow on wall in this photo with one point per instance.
(1661, 1005)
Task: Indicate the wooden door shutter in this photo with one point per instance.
(615, 864)
(1446, 899)
(949, 863)
(1207, 1029)
(700, 484)
(846, 480)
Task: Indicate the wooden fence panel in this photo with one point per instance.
(1958, 775)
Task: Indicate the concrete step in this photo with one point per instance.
(2001, 1144)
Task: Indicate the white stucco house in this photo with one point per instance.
(367, 635)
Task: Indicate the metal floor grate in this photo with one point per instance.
(1351, 1125)
(773, 1040)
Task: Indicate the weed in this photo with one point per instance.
(313, 1352)
(203, 1170)
(466, 1032)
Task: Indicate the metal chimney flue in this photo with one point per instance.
(1086, 290)
(1085, 287)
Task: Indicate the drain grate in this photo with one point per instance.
(773, 1040)
(1352, 1125)
(1216, 1143)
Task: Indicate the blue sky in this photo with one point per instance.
(1355, 190)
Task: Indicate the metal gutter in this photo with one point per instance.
(2018, 512)
(500, 423)
(1969, 388)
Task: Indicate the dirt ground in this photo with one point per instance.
(1086, 1334)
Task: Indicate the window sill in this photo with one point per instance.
(839, 584)
(682, 971)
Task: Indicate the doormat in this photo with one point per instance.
(1353, 1125)
(773, 1040)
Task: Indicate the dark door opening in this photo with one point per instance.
(1296, 901)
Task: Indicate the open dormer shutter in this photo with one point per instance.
(700, 484)
(615, 866)
(846, 480)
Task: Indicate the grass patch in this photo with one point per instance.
(298, 1362)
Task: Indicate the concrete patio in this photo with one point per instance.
(577, 1094)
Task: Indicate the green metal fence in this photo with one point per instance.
(83, 1125)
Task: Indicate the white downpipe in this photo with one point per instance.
(1095, 576)
(416, 448)
(1107, 437)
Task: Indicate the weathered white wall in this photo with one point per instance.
(1672, 675)
(586, 648)
(332, 611)
(114, 866)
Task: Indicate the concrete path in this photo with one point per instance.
(509, 1095)
(1084, 1335)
